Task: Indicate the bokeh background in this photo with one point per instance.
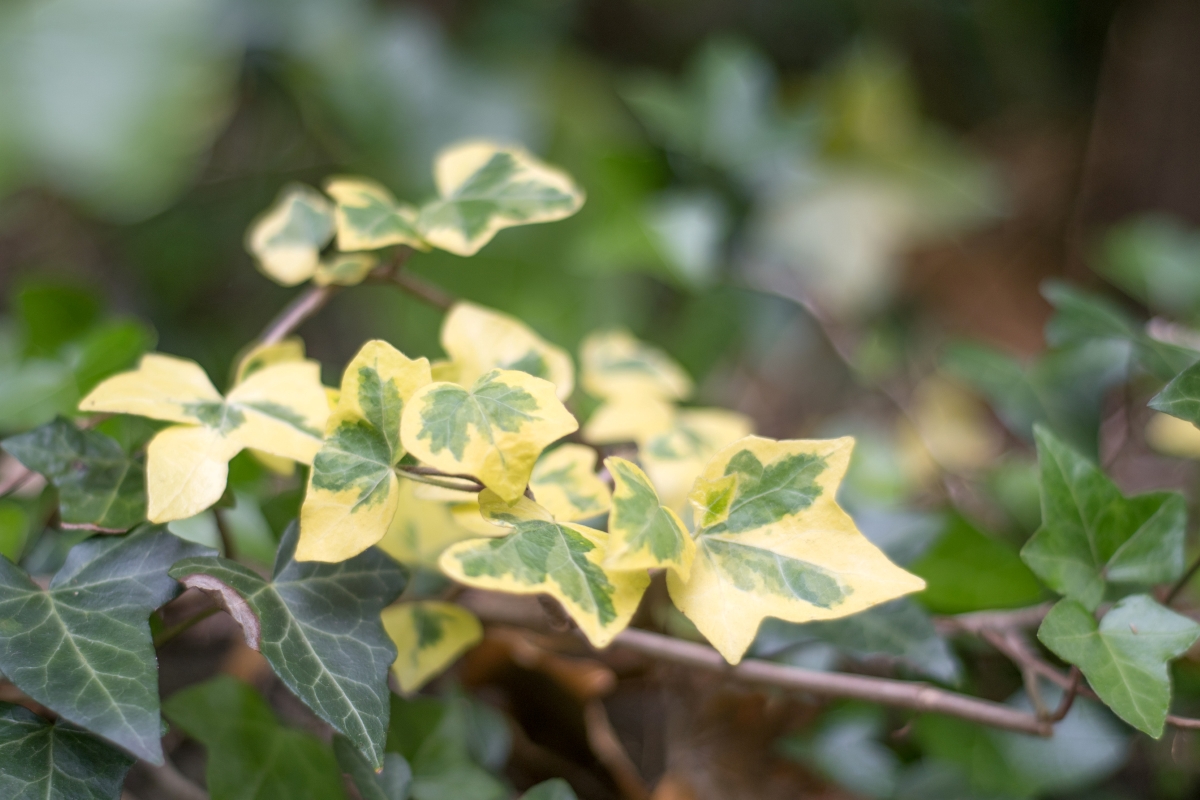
(841, 216)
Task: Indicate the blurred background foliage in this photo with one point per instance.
(839, 215)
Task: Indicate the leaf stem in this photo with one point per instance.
(1179, 585)
(170, 633)
(226, 535)
(435, 477)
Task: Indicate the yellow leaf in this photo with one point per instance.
(565, 483)
(353, 490)
(368, 217)
(257, 356)
(632, 418)
(542, 556)
(421, 529)
(642, 533)
(785, 548)
(676, 456)
(484, 188)
(1173, 436)
(494, 431)
(279, 409)
(429, 636)
(287, 238)
(480, 339)
(615, 364)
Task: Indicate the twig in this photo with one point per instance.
(296, 312)
(1179, 585)
(903, 694)
(979, 621)
(18, 482)
(226, 535)
(611, 753)
(410, 284)
(167, 634)
(1068, 698)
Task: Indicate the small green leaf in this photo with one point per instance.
(98, 483)
(318, 625)
(287, 238)
(1091, 534)
(391, 784)
(82, 647)
(40, 760)
(494, 431)
(250, 755)
(1124, 657)
(484, 188)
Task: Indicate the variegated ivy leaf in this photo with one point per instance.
(565, 483)
(479, 339)
(676, 456)
(485, 188)
(429, 636)
(281, 410)
(421, 529)
(641, 533)
(353, 489)
(784, 549)
(251, 361)
(344, 269)
(631, 418)
(368, 216)
(494, 431)
(543, 556)
(615, 364)
(286, 240)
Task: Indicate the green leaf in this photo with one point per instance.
(43, 761)
(98, 483)
(1092, 534)
(1155, 259)
(966, 570)
(287, 238)
(318, 625)
(896, 632)
(82, 647)
(106, 349)
(391, 784)
(435, 737)
(484, 188)
(54, 315)
(556, 789)
(1181, 397)
(543, 556)
(1124, 657)
(250, 755)
(495, 430)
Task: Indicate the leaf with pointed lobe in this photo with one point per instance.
(40, 760)
(479, 339)
(642, 534)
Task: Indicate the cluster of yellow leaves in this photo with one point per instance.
(482, 187)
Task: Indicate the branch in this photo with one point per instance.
(1179, 585)
(296, 312)
(422, 290)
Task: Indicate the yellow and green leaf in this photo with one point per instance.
(429, 636)
(254, 359)
(287, 238)
(632, 418)
(495, 430)
(344, 269)
(565, 483)
(676, 456)
(783, 548)
(543, 556)
(480, 339)
(353, 489)
(368, 216)
(279, 409)
(421, 529)
(642, 534)
(615, 364)
(485, 188)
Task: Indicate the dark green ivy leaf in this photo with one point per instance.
(43, 761)
(1092, 535)
(318, 625)
(98, 484)
(250, 755)
(82, 648)
(1124, 657)
(391, 784)
(436, 738)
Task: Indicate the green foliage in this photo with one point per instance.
(1125, 655)
(318, 626)
(44, 761)
(82, 647)
(250, 755)
(392, 783)
(1181, 397)
(966, 570)
(439, 741)
(98, 483)
(1093, 537)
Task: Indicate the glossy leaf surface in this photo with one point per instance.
(43, 761)
(82, 647)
